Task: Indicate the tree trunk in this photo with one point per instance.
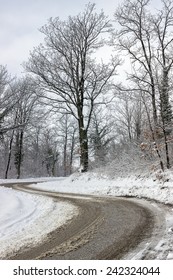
(165, 142)
(154, 137)
(83, 149)
(153, 97)
(166, 113)
(19, 153)
(65, 157)
(166, 150)
(9, 155)
(72, 151)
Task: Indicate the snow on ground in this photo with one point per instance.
(157, 187)
(31, 180)
(92, 183)
(26, 219)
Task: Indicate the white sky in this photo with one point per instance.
(21, 19)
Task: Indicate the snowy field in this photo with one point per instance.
(157, 187)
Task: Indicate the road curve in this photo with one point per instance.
(106, 228)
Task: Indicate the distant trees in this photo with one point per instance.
(50, 144)
(67, 72)
(129, 116)
(67, 131)
(24, 110)
(20, 115)
(58, 146)
(101, 136)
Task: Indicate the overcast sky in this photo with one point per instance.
(21, 19)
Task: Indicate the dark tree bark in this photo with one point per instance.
(9, 154)
(19, 152)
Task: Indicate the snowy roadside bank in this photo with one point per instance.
(26, 219)
(158, 187)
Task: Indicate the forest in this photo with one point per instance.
(97, 92)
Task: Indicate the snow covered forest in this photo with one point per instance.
(97, 91)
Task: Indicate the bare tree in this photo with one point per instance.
(135, 38)
(147, 38)
(24, 110)
(10, 146)
(67, 71)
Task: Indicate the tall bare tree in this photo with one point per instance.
(67, 71)
(148, 39)
(135, 38)
(24, 110)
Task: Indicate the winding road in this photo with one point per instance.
(106, 228)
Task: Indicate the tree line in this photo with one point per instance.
(72, 109)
